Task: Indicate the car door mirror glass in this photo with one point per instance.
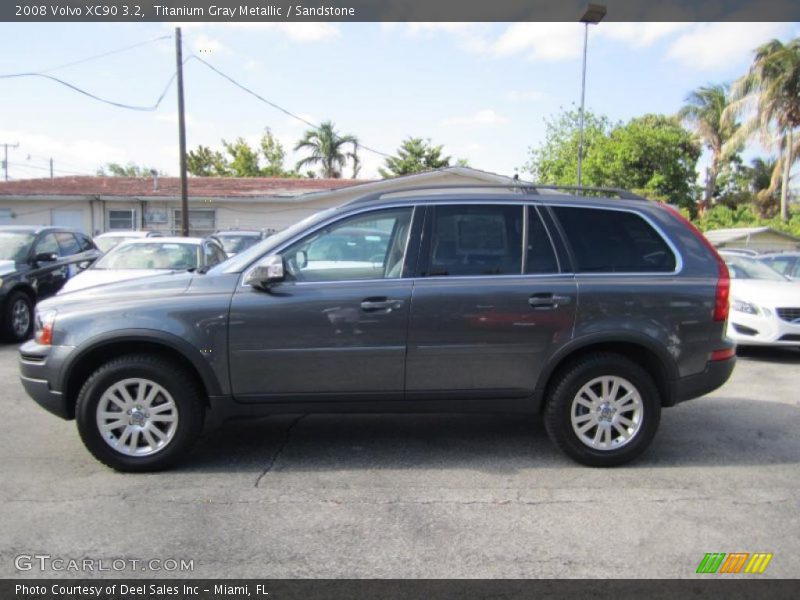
(84, 264)
(267, 272)
(46, 257)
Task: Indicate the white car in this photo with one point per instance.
(765, 305)
(110, 239)
(148, 256)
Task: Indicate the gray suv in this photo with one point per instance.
(594, 311)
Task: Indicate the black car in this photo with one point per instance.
(35, 262)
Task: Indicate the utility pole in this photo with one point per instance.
(5, 160)
(51, 167)
(182, 135)
(592, 15)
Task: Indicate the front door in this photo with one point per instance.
(336, 328)
(485, 312)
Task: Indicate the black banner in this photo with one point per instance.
(392, 10)
(394, 589)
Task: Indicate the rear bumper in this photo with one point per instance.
(715, 375)
(39, 368)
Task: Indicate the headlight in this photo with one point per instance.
(745, 307)
(43, 327)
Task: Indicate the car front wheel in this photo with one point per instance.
(139, 413)
(603, 410)
(18, 317)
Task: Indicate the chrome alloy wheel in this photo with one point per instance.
(20, 318)
(606, 413)
(137, 417)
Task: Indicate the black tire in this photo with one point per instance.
(567, 385)
(181, 385)
(11, 333)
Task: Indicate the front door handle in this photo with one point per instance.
(378, 304)
(547, 301)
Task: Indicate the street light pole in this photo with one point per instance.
(182, 135)
(593, 14)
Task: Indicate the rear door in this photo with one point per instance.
(489, 304)
(47, 277)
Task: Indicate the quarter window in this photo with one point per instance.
(371, 246)
(68, 244)
(613, 241)
(475, 240)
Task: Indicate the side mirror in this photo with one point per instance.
(267, 272)
(45, 257)
(84, 264)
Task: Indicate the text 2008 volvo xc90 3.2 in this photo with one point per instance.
(595, 312)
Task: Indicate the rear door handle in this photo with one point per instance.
(378, 304)
(546, 301)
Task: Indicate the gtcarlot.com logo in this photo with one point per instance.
(736, 562)
(47, 562)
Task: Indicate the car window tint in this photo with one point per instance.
(796, 271)
(85, 242)
(213, 255)
(475, 240)
(368, 246)
(68, 244)
(614, 241)
(47, 243)
(781, 265)
(541, 257)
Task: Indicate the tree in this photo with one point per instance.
(240, 159)
(652, 154)
(703, 111)
(414, 155)
(555, 161)
(205, 162)
(327, 148)
(770, 93)
(129, 170)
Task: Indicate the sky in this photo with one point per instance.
(481, 90)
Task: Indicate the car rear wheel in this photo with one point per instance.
(139, 413)
(18, 317)
(603, 410)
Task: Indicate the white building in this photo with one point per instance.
(98, 204)
(760, 239)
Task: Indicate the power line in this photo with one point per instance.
(38, 168)
(273, 105)
(104, 54)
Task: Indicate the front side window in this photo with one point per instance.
(614, 241)
(47, 243)
(369, 246)
(475, 240)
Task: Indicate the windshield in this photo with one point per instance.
(153, 255)
(742, 267)
(235, 243)
(107, 243)
(239, 262)
(14, 245)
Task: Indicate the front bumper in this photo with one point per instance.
(716, 373)
(40, 369)
(762, 330)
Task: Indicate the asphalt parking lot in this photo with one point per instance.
(418, 496)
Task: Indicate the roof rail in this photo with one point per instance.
(522, 188)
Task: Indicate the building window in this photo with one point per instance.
(5, 216)
(121, 220)
(202, 222)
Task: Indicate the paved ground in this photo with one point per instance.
(420, 496)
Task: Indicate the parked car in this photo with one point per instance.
(106, 241)
(144, 257)
(35, 262)
(785, 263)
(594, 312)
(765, 305)
(237, 240)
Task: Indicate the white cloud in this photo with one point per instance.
(638, 35)
(524, 95)
(716, 45)
(305, 32)
(481, 118)
(172, 117)
(471, 37)
(205, 45)
(540, 41)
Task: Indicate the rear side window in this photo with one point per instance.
(540, 255)
(475, 240)
(613, 241)
(69, 245)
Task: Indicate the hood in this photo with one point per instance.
(766, 293)
(7, 266)
(150, 286)
(93, 277)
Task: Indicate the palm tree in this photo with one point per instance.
(704, 110)
(327, 149)
(770, 90)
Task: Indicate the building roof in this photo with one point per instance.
(723, 236)
(143, 187)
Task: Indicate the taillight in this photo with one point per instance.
(724, 354)
(723, 290)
